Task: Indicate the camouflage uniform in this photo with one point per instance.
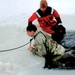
(40, 38)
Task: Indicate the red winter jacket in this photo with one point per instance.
(46, 19)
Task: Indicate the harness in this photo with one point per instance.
(51, 50)
(46, 47)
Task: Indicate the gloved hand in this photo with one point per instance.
(61, 29)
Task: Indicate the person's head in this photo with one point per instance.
(43, 5)
(31, 29)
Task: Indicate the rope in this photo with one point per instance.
(5, 50)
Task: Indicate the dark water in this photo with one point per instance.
(69, 39)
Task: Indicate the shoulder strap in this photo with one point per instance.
(47, 48)
(43, 34)
(36, 35)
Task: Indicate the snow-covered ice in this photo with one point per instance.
(13, 21)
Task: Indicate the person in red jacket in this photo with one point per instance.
(47, 17)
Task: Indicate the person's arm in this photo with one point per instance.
(57, 17)
(32, 18)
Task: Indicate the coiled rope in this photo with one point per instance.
(5, 50)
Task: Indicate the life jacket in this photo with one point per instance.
(46, 19)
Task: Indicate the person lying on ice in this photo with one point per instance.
(44, 46)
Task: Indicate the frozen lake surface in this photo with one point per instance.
(13, 21)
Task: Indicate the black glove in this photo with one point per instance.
(61, 29)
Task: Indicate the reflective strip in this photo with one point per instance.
(37, 14)
(52, 11)
(60, 24)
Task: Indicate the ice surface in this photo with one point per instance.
(13, 21)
